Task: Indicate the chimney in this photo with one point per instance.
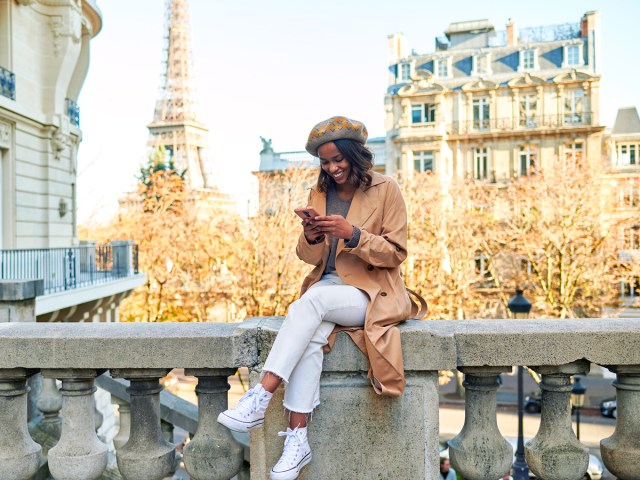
(398, 47)
(512, 33)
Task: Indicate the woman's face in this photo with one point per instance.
(334, 163)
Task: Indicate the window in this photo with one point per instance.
(528, 160)
(423, 161)
(574, 151)
(528, 109)
(481, 113)
(528, 59)
(631, 287)
(482, 64)
(631, 238)
(423, 113)
(629, 196)
(574, 106)
(482, 266)
(572, 53)
(443, 67)
(405, 70)
(628, 153)
(480, 163)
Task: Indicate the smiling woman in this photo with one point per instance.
(356, 244)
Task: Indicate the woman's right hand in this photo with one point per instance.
(311, 230)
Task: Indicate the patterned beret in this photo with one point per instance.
(335, 128)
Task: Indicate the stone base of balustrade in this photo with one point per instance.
(354, 433)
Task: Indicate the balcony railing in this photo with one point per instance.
(405, 442)
(7, 83)
(73, 111)
(70, 267)
(510, 124)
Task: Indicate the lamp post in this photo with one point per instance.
(520, 308)
(577, 400)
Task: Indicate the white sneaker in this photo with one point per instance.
(296, 454)
(249, 413)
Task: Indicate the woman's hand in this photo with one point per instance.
(311, 230)
(334, 225)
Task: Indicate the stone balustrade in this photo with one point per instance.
(354, 433)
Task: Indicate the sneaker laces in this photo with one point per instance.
(292, 446)
(249, 403)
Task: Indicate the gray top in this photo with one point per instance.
(337, 206)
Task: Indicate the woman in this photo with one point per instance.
(356, 244)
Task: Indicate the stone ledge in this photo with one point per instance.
(19, 290)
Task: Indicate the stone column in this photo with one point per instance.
(19, 454)
(18, 299)
(124, 410)
(212, 454)
(621, 451)
(146, 455)
(555, 453)
(79, 455)
(479, 452)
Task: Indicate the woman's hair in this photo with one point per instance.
(360, 159)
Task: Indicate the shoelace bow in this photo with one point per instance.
(250, 401)
(289, 454)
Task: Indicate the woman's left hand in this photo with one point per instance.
(334, 225)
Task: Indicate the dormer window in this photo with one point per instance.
(572, 55)
(443, 67)
(405, 71)
(528, 59)
(482, 64)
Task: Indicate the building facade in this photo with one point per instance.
(44, 59)
(494, 105)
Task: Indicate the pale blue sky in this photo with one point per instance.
(274, 68)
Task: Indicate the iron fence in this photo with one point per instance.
(70, 267)
(522, 123)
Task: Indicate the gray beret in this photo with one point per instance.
(335, 128)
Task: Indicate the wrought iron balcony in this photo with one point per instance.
(511, 124)
(70, 267)
(7, 83)
(73, 111)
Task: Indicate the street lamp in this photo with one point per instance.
(577, 400)
(520, 308)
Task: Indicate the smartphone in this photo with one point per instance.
(306, 212)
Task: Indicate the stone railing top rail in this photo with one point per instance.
(427, 345)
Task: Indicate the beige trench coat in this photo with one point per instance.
(373, 266)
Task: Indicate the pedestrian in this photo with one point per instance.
(446, 472)
(355, 236)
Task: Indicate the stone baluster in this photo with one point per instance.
(555, 453)
(79, 455)
(146, 455)
(212, 453)
(19, 454)
(621, 451)
(124, 411)
(479, 452)
(50, 401)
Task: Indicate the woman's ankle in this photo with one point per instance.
(270, 382)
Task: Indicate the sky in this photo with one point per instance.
(275, 68)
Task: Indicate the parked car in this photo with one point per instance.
(609, 408)
(594, 471)
(533, 402)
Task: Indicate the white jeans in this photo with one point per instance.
(296, 355)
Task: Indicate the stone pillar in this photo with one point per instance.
(124, 410)
(122, 257)
(146, 455)
(18, 300)
(212, 454)
(19, 454)
(79, 455)
(621, 451)
(555, 453)
(479, 452)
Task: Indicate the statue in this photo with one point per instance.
(266, 146)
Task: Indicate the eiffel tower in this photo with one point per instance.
(175, 124)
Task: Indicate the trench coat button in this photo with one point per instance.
(383, 294)
(369, 267)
